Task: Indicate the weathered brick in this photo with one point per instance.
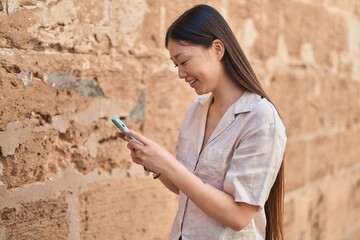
(353, 235)
(85, 87)
(354, 199)
(349, 150)
(292, 104)
(89, 11)
(125, 84)
(353, 101)
(44, 219)
(346, 5)
(128, 17)
(162, 95)
(318, 112)
(295, 165)
(265, 16)
(338, 196)
(323, 156)
(314, 25)
(308, 219)
(18, 101)
(289, 220)
(356, 9)
(313, 215)
(30, 163)
(126, 209)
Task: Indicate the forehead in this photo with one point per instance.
(177, 49)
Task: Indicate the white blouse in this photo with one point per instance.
(242, 157)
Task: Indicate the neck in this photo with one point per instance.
(226, 94)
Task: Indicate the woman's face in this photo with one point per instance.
(198, 66)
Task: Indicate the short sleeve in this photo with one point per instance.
(256, 163)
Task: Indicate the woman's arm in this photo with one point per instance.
(168, 184)
(215, 203)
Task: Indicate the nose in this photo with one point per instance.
(182, 73)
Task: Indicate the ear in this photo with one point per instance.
(219, 48)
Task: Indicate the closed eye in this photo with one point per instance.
(183, 63)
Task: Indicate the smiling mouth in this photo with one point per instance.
(192, 81)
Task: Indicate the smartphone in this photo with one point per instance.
(123, 128)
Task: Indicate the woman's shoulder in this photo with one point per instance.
(264, 112)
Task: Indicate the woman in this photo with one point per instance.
(228, 167)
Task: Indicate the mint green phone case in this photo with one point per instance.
(123, 128)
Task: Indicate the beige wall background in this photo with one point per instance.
(68, 66)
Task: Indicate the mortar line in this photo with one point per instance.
(317, 183)
(73, 216)
(68, 180)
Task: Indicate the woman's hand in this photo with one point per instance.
(148, 153)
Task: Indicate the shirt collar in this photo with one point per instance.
(244, 104)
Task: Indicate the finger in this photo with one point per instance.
(122, 136)
(137, 161)
(130, 147)
(137, 154)
(135, 158)
(133, 149)
(134, 146)
(139, 137)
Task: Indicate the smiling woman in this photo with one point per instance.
(228, 167)
(197, 65)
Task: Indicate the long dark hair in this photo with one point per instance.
(201, 25)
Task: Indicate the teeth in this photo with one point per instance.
(192, 81)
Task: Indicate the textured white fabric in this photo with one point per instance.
(242, 157)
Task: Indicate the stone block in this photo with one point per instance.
(338, 195)
(318, 112)
(44, 219)
(291, 105)
(167, 99)
(18, 101)
(289, 220)
(125, 84)
(126, 209)
(356, 9)
(128, 18)
(346, 5)
(14, 28)
(266, 25)
(295, 163)
(354, 199)
(324, 155)
(152, 29)
(32, 160)
(85, 87)
(314, 25)
(46, 151)
(310, 217)
(349, 151)
(89, 11)
(353, 101)
(353, 235)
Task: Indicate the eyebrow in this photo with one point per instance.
(177, 55)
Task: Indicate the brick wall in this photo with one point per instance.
(68, 66)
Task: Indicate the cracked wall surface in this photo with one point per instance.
(68, 66)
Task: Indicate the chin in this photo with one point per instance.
(201, 92)
(198, 92)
